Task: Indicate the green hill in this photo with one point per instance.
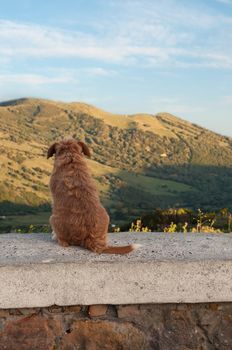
(139, 161)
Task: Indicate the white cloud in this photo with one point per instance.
(26, 40)
(33, 79)
(228, 2)
(226, 100)
(97, 71)
(20, 40)
(52, 76)
(147, 33)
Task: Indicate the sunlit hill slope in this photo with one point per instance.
(139, 161)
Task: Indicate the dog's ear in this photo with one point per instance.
(52, 150)
(85, 149)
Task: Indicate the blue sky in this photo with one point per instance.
(125, 56)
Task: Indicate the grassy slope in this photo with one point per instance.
(30, 154)
(131, 153)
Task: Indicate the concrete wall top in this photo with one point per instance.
(169, 268)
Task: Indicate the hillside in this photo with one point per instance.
(139, 161)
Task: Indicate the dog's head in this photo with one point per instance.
(68, 146)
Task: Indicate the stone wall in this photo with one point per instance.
(174, 293)
(205, 326)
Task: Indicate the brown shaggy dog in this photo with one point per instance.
(78, 218)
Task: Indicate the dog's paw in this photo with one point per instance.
(54, 236)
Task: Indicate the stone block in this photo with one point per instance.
(73, 308)
(4, 313)
(97, 310)
(29, 333)
(105, 335)
(125, 311)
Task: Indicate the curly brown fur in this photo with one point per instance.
(78, 218)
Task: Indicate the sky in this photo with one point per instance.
(124, 56)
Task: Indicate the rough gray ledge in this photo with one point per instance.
(169, 268)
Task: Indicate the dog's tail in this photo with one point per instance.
(121, 250)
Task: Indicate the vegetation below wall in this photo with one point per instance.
(169, 220)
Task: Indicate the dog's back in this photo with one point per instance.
(76, 205)
(78, 218)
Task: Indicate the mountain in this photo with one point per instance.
(139, 161)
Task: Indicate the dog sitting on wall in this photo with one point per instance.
(78, 218)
